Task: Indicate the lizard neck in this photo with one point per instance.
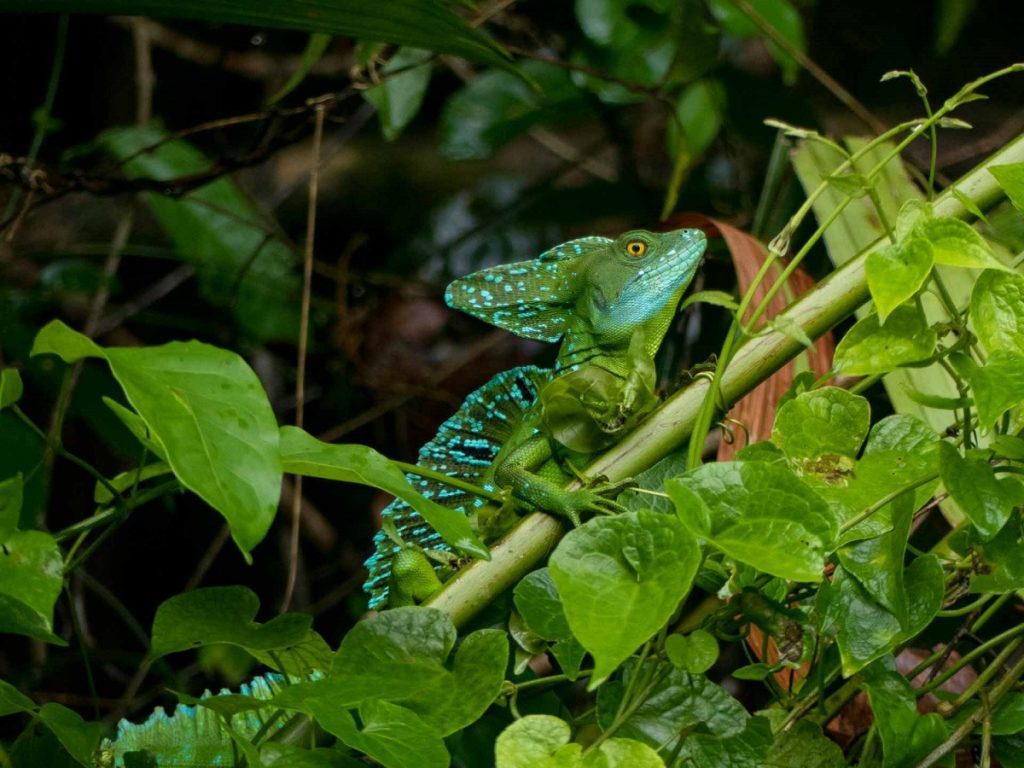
(583, 345)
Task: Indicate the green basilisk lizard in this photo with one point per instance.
(610, 303)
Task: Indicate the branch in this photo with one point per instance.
(816, 312)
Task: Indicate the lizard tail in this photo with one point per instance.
(465, 447)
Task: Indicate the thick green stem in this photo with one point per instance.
(816, 312)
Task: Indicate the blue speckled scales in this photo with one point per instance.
(532, 299)
(194, 736)
(465, 447)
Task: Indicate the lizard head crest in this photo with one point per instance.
(597, 286)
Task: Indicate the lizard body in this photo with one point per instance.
(610, 303)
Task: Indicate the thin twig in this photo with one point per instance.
(300, 377)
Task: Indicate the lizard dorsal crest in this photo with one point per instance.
(534, 298)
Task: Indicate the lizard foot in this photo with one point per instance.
(595, 499)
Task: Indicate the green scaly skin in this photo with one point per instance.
(610, 303)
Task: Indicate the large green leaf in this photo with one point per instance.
(402, 656)
(210, 415)
(240, 260)
(758, 513)
(222, 615)
(621, 578)
(303, 454)
(426, 24)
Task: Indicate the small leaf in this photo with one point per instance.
(870, 347)
(621, 578)
(906, 735)
(717, 298)
(12, 700)
(1008, 717)
(679, 701)
(31, 578)
(537, 741)
(1000, 567)
(698, 117)
(207, 410)
(1011, 179)
(622, 753)
(80, 738)
(997, 311)
(850, 184)
(10, 387)
(11, 493)
(303, 454)
(537, 600)
(987, 500)
(392, 735)
(313, 52)
(863, 629)
(445, 699)
(997, 386)
(221, 615)
(498, 106)
(823, 421)
(696, 652)
(781, 15)
(896, 273)
(758, 671)
(789, 327)
(399, 95)
(804, 746)
(955, 243)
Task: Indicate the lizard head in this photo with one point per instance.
(635, 285)
(591, 291)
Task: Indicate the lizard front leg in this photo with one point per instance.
(513, 473)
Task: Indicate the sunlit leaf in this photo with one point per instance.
(209, 414)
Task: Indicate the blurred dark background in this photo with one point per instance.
(647, 100)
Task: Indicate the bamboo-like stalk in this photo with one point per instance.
(817, 311)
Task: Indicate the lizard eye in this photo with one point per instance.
(636, 248)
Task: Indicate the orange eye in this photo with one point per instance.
(636, 248)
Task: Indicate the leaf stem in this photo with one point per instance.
(971, 722)
(454, 482)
